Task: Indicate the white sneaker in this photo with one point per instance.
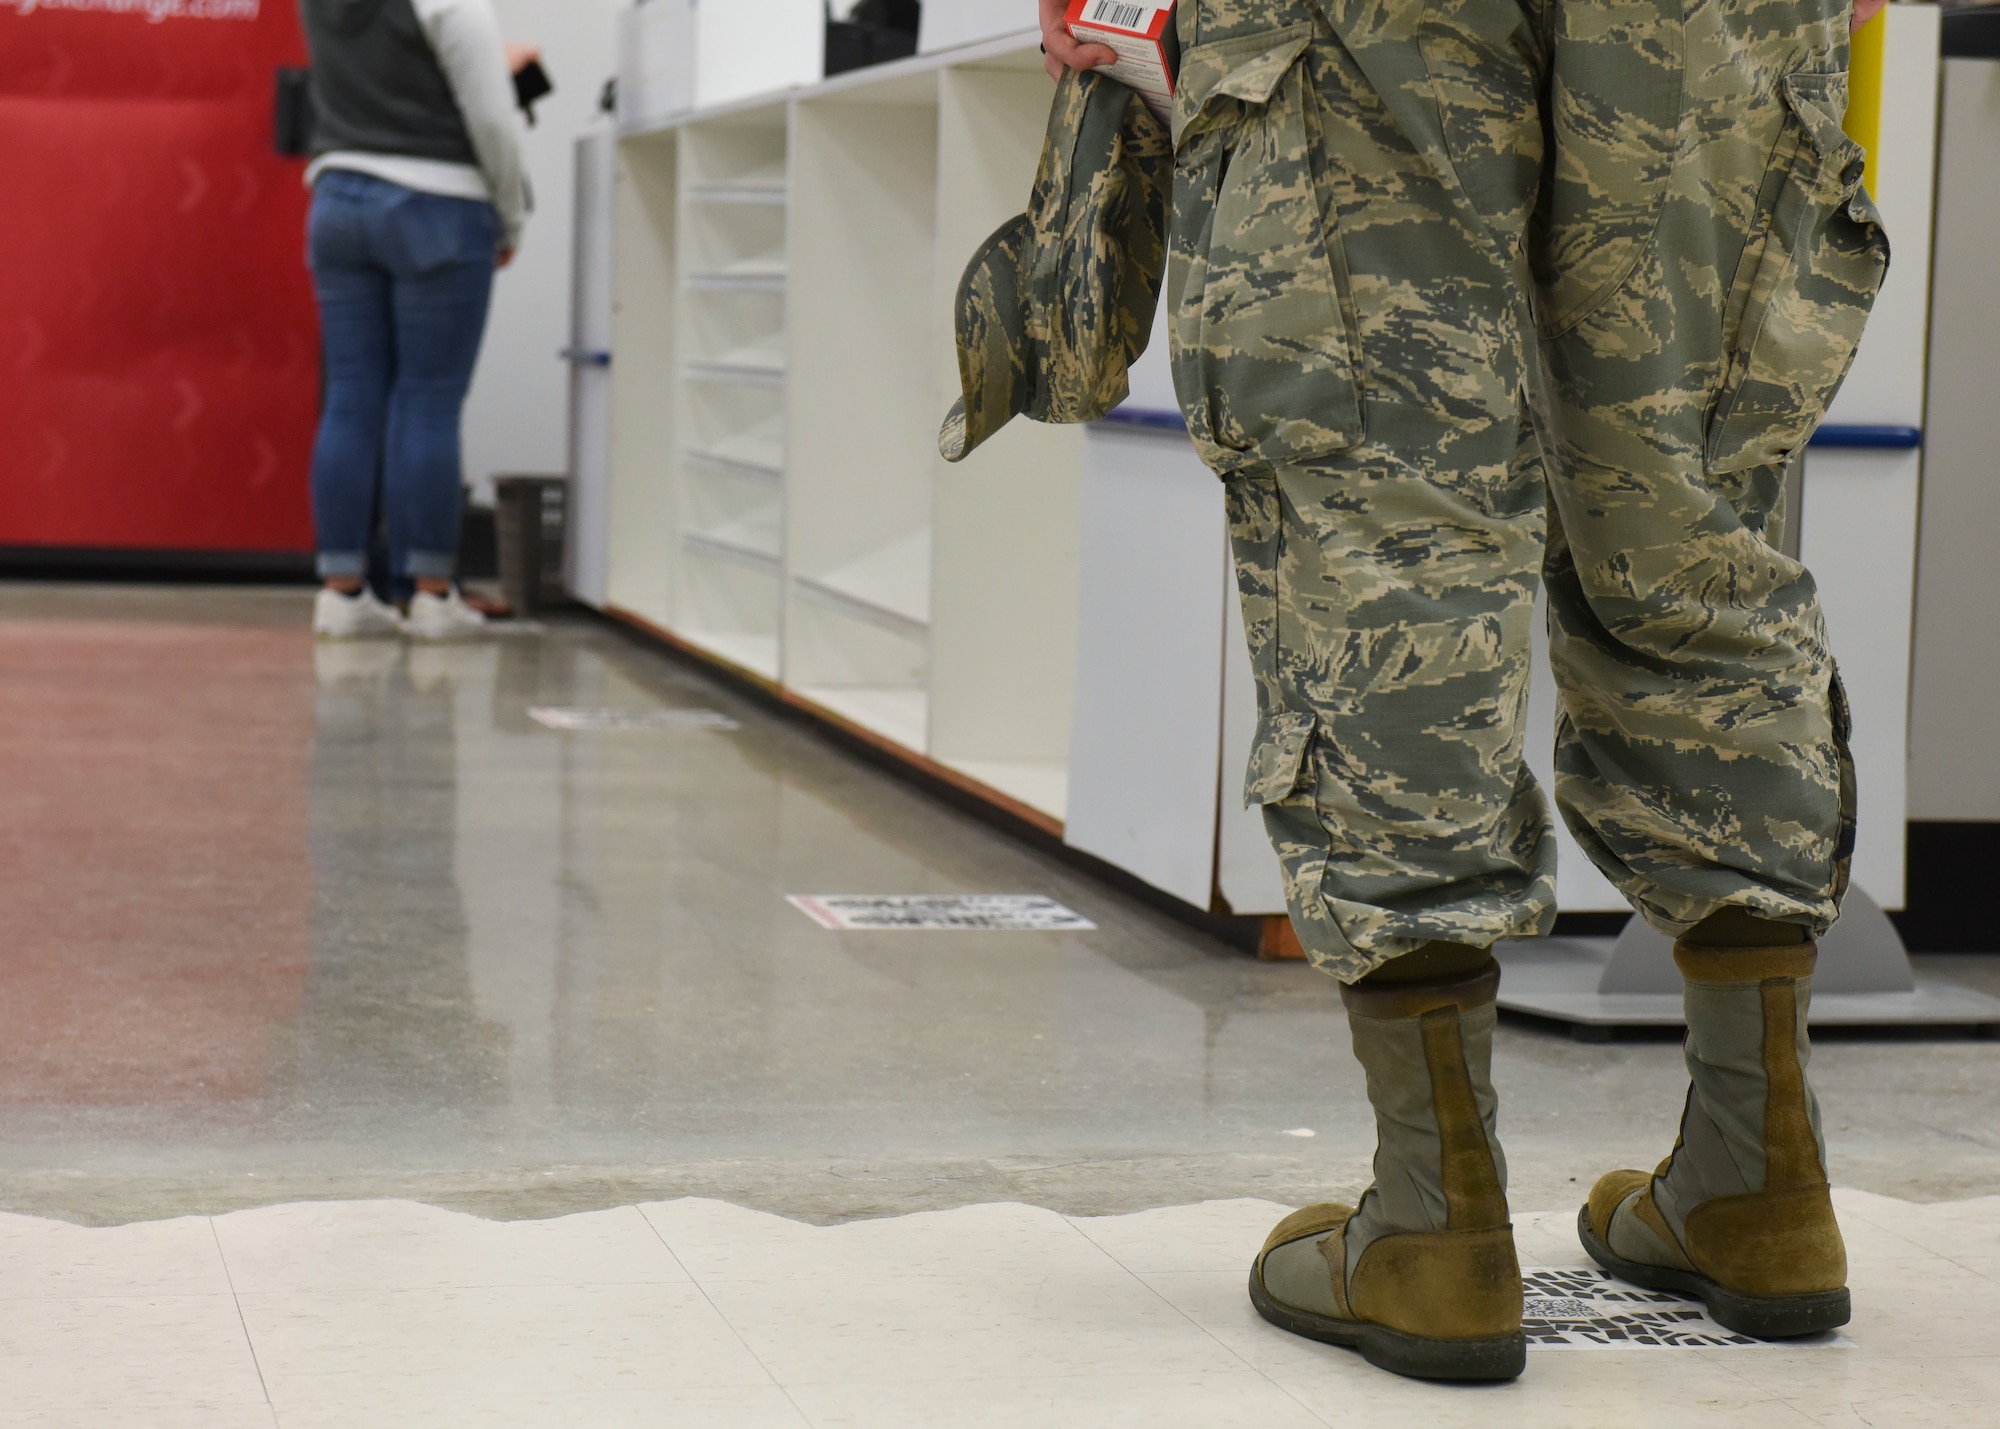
(442, 617)
(352, 617)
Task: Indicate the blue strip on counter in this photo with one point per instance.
(1849, 437)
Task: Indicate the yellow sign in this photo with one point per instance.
(1864, 90)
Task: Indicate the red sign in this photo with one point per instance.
(159, 351)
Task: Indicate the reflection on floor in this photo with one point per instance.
(289, 925)
(698, 1313)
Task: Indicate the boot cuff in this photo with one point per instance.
(1414, 999)
(1701, 962)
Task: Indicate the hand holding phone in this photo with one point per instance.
(531, 81)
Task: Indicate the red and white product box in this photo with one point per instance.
(1141, 32)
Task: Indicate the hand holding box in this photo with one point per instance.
(1141, 34)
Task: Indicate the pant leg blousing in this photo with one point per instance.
(1465, 288)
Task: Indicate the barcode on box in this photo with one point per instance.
(1125, 17)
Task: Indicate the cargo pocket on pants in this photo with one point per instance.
(1278, 758)
(1803, 291)
(1263, 349)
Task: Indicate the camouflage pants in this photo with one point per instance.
(1471, 293)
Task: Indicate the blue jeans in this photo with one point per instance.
(403, 280)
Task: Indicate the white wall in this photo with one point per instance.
(1886, 384)
(1954, 773)
(746, 47)
(962, 22)
(655, 62)
(1858, 518)
(1858, 535)
(517, 418)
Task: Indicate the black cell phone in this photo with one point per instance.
(531, 82)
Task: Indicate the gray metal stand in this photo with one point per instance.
(1863, 979)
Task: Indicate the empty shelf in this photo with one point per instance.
(765, 462)
(744, 190)
(900, 715)
(1043, 786)
(747, 376)
(763, 274)
(759, 449)
(746, 547)
(767, 354)
(891, 584)
(762, 178)
(762, 363)
(756, 533)
(757, 654)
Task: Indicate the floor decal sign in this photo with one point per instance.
(984, 912)
(582, 719)
(1581, 1309)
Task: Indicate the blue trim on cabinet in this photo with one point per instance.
(1869, 438)
(1848, 437)
(1153, 419)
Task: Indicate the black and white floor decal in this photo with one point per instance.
(1584, 1309)
(597, 719)
(983, 912)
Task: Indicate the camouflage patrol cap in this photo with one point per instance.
(1057, 304)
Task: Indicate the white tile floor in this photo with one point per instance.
(693, 1312)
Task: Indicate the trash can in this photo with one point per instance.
(529, 516)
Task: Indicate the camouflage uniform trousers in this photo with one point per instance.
(1469, 293)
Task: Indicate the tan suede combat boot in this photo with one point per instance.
(1740, 1213)
(1421, 1277)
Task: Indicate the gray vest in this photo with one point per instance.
(377, 87)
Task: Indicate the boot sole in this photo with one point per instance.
(1761, 1317)
(1498, 1357)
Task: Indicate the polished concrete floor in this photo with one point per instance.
(372, 1054)
(286, 922)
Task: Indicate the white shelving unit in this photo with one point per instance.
(806, 532)
(729, 399)
(858, 549)
(1051, 623)
(1007, 539)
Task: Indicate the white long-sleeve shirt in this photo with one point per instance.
(465, 36)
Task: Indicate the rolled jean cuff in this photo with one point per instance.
(430, 565)
(338, 565)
